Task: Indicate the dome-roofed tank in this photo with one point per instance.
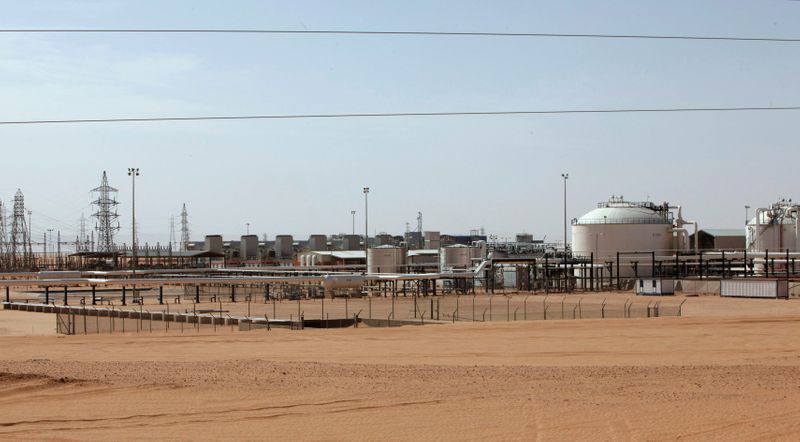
(618, 225)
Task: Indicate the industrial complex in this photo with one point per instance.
(619, 245)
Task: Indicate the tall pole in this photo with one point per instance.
(133, 172)
(248, 227)
(353, 214)
(566, 177)
(366, 227)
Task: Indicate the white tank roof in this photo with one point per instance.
(619, 211)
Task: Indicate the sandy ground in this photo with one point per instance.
(26, 324)
(714, 375)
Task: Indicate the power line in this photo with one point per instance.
(396, 33)
(395, 115)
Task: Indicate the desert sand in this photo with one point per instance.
(713, 375)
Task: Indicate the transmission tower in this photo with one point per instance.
(172, 232)
(106, 216)
(82, 242)
(20, 242)
(3, 236)
(184, 229)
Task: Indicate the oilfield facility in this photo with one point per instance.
(335, 280)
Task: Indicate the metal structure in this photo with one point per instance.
(3, 237)
(19, 248)
(133, 172)
(106, 216)
(366, 220)
(184, 229)
(566, 177)
(775, 228)
(172, 232)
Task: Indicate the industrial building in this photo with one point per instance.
(719, 239)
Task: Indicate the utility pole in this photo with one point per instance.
(366, 227)
(133, 172)
(566, 177)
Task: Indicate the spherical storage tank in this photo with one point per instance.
(386, 259)
(624, 226)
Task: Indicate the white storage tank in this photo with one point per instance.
(386, 259)
(318, 243)
(774, 228)
(457, 257)
(625, 226)
(284, 246)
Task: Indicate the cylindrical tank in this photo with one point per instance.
(526, 238)
(248, 247)
(331, 282)
(213, 243)
(384, 239)
(351, 242)
(386, 259)
(457, 257)
(774, 228)
(317, 242)
(284, 246)
(432, 240)
(623, 226)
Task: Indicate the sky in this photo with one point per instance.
(502, 173)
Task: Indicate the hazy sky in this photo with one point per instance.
(304, 176)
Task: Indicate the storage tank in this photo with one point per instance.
(774, 228)
(213, 243)
(525, 238)
(284, 246)
(384, 239)
(248, 247)
(432, 240)
(317, 243)
(457, 257)
(351, 242)
(386, 259)
(626, 226)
